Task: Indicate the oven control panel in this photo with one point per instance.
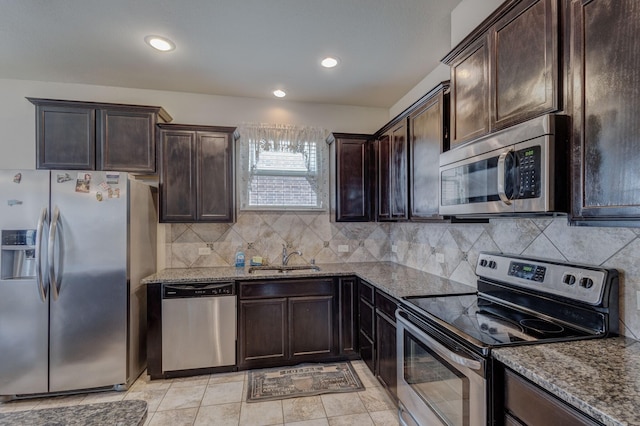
(577, 282)
(527, 271)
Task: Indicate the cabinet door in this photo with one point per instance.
(310, 326)
(366, 335)
(66, 137)
(399, 172)
(178, 177)
(262, 337)
(427, 137)
(470, 94)
(214, 185)
(525, 81)
(386, 352)
(392, 174)
(348, 329)
(353, 198)
(127, 141)
(384, 177)
(606, 106)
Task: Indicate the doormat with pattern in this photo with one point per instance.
(302, 380)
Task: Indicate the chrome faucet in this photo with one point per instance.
(285, 256)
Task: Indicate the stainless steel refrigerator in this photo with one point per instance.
(74, 248)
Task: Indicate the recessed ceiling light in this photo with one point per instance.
(279, 93)
(160, 43)
(329, 62)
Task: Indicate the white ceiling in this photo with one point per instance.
(243, 48)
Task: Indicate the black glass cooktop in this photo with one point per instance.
(489, 323)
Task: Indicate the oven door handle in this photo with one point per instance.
(437, 347)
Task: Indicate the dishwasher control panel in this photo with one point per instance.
(174, 291)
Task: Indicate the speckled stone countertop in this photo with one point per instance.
(120, 413)
(599, 377)
(397, 280)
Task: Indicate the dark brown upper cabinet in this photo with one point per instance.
(351, 159)
(196, 180)
(96, 136)
(392, 172)
(525, 82)
(605, 85)
(470, 93)
(506, 71)
(428, 137)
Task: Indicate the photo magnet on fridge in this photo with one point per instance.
(61, 178)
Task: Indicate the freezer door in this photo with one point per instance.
(24, 313)
(88, 320)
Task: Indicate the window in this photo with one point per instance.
(282, 167)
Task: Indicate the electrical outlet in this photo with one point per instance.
(439, 257)
(343, 248)
(394, 248)
(204, 251)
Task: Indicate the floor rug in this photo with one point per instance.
(302, 380)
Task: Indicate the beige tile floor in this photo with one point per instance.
(219, 399)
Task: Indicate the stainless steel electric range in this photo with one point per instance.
(445, 342)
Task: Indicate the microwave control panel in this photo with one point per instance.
(528, 172)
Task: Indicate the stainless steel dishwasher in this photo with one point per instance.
(198, 325)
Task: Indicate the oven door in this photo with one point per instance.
(439, 383)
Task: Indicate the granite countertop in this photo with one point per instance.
(396, 280)
(120, 413)
(600, 377)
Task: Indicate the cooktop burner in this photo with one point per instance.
(488, 322)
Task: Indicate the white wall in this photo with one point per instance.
(468, 15)
(17, 115)
(464, 19)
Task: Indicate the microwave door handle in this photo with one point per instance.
(502, 177)
(42, 221)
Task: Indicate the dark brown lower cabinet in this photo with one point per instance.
(386, 363)
(386, 352)
(284, 322)
(310, 326)
(378, 334)
(366, 323)
(348, 316)
(263, 325)
(525, 404)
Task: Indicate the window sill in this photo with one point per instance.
(283, 209)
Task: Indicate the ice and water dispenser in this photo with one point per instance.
(18, 254)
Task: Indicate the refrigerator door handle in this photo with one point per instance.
(53, 229)
(42, 221)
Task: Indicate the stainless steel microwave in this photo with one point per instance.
(522, 170)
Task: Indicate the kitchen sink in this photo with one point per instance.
(282, 268)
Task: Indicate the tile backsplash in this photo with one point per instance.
(417, 245)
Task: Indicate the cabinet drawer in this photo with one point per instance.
(386, 304)
(533, 406)
(288, 288)
(366, 292)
